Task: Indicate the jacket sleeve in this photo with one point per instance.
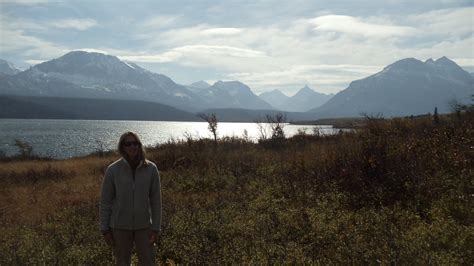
(155, 200)
(106, 200)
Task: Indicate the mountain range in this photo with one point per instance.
(406, 87)
(94, 75)
(304, 100)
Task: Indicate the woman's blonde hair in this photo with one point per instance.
(141, 149)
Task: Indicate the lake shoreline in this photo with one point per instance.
(69, 138)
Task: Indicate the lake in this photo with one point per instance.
(62, 139)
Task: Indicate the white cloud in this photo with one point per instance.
(34, 62)
(160, 22)
(327, 51)
(16, 41)
(71, 23)
(45, 25)
(354, 25)
(196, 53)
(221, 31)
(151, 58)
(322, 78)
(464, 62)
(18, 36)
(447, 22)
(219, 51)
(25, 2)
(20, 24)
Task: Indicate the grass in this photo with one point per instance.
(392, 192)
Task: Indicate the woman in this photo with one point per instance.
(130, 197)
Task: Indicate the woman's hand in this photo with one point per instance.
(153, 237)
(108, 238)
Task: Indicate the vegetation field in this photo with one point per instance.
(396, 191)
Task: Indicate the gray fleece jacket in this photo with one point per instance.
(130, 199)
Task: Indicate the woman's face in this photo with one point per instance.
(130, 146)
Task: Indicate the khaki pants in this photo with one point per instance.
(124, 240)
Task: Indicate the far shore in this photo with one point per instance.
(346, 122)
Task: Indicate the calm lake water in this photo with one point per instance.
(69, 138)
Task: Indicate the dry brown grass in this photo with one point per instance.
(30, 201)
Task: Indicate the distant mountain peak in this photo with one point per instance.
(306, 88)
(406, 64)
(304, 100)
(232, 86)
(200, 84)
(231, 94)
(415, 65)
(234, 82)
(446, 62)
(77, 52)
(273, 92)
(305, 91)
(83, 55)
(81, 52)
(90, 64)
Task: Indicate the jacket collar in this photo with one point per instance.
(124, 161)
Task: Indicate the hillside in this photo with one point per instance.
(95, 109)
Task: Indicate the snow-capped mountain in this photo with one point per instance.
(8, 68)
(231, 94)
(95, 75)
(304, 100)
(406, 87)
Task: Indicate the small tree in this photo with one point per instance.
(100, 148)
(26, 150)
(317, 131)
(458, 108)
(277, 123)
(211, 120)
(436, 116)
(262, 129)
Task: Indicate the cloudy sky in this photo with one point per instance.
(265, 44)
